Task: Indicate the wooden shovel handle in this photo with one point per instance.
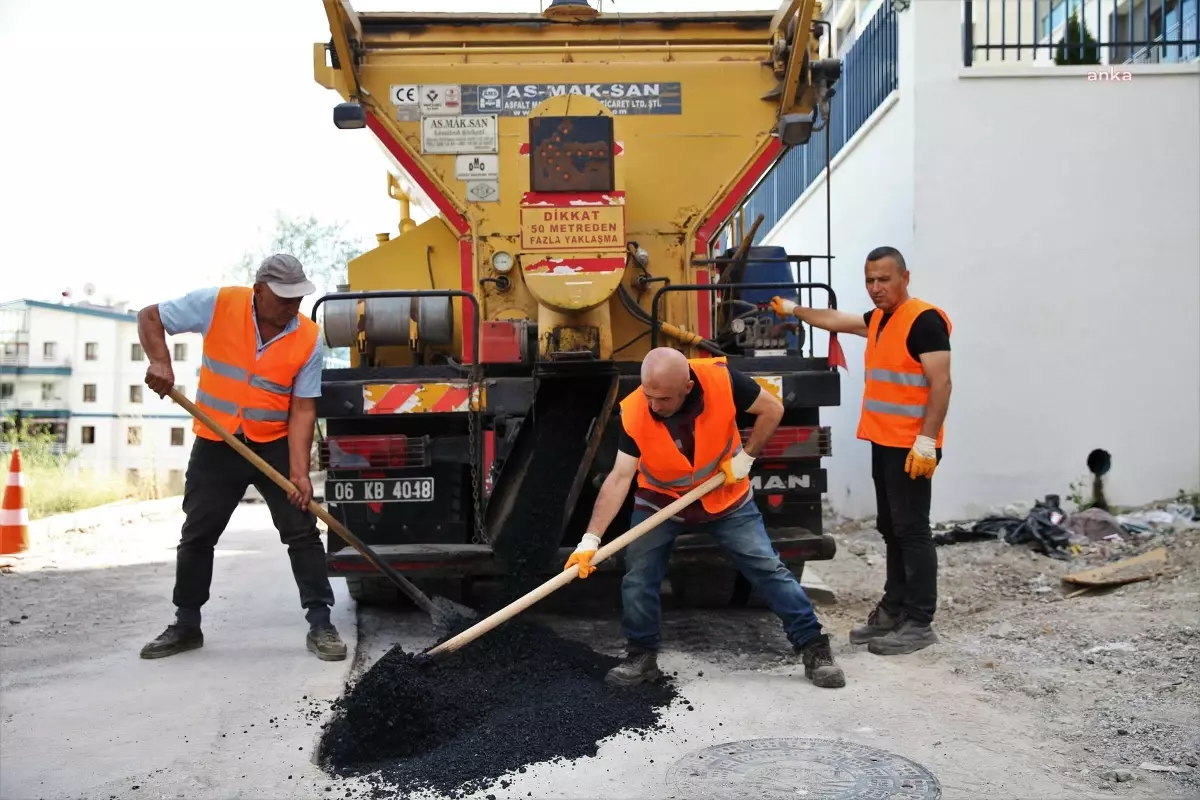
(566, 576)
(254, 458)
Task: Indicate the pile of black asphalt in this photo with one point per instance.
(517, 696)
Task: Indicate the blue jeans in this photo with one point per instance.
(744, 538)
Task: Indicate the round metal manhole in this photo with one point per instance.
(800, 769)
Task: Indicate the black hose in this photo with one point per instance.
(641, 314)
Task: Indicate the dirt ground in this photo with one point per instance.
(1030, 693)
(1111, 673)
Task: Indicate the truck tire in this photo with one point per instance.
(372, 591)
(704, 586)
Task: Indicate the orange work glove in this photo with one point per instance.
(782, 306)
(582, 556)
(737, 467)
(922, 459)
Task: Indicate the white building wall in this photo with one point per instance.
(1055, 220)
(99, 349)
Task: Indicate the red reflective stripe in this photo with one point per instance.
(394, 398)
(452, 399)
(466, 255)
(705, 232)
(417, 174)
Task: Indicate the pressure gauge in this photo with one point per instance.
(502, 262)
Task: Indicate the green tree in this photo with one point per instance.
(323, 248)
(1077, 45)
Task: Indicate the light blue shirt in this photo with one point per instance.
(193, 313)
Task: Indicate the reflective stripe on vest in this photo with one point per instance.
(237, 386)
(662, 468)
(896, 393)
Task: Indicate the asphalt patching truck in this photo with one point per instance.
(589, 173)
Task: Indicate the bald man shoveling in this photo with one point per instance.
(678, 431)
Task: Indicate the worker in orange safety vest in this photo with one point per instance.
(678, 431)
(260, 375)
(905, 399)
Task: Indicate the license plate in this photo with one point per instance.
(380, 490)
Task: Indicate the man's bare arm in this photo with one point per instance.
(302, 425)
(768, 412)
(612, 493)
(160, 375)
(832, 320)
(937, 371)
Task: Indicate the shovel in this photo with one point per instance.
(566, 576)
(443, 612)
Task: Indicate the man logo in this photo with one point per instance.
(777, 483)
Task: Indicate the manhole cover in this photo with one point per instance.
(800, 769)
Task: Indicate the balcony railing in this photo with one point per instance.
(869, 75)
(24, 360)
(1048, 32)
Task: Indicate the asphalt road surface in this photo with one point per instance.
(81, 716)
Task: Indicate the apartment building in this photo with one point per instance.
(78, 370)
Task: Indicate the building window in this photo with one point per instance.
(177, 437)
(175, 481)
(47, 391)
(89, 393)
(87, 434)
(136, 353)
(91, 351)
(135, 393)
(7, 390)
(181, 351)
(133, 435)
(49, 351)
(133, 477)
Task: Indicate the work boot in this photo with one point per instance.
(819, 666)
(908, 638)
(879, 623)
(325, 642)
(639, 666)
(175, 639)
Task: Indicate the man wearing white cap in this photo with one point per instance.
(259, 378)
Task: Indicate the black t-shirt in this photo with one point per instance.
(928, 334)
(682, 424)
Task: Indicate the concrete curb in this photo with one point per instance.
(818, 591)
(124, 512)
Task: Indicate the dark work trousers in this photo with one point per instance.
(217, 479)
(903, 520)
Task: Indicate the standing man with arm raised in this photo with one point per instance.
(260, 377)
(905, 399)
(678, 430)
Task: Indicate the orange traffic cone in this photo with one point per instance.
(14, 517)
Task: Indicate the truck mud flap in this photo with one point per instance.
(542, 477)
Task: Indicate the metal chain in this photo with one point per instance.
(474, 412)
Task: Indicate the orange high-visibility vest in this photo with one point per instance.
(896, 392)
(663, 468)
(236, 388)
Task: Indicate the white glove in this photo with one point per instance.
(925, 447)
(589, 542)
(741, 465)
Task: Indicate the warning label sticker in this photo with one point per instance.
(567, 229)
(518, 99)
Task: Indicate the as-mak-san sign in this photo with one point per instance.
(473, 133)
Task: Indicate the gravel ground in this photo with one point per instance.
(1112, 673)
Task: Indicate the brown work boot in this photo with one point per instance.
(325, 642)
(908, 638)
(879, 623)
(819, 666)
(639, 666)
(175, 639)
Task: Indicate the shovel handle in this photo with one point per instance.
(405, 585)
(566, 576)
